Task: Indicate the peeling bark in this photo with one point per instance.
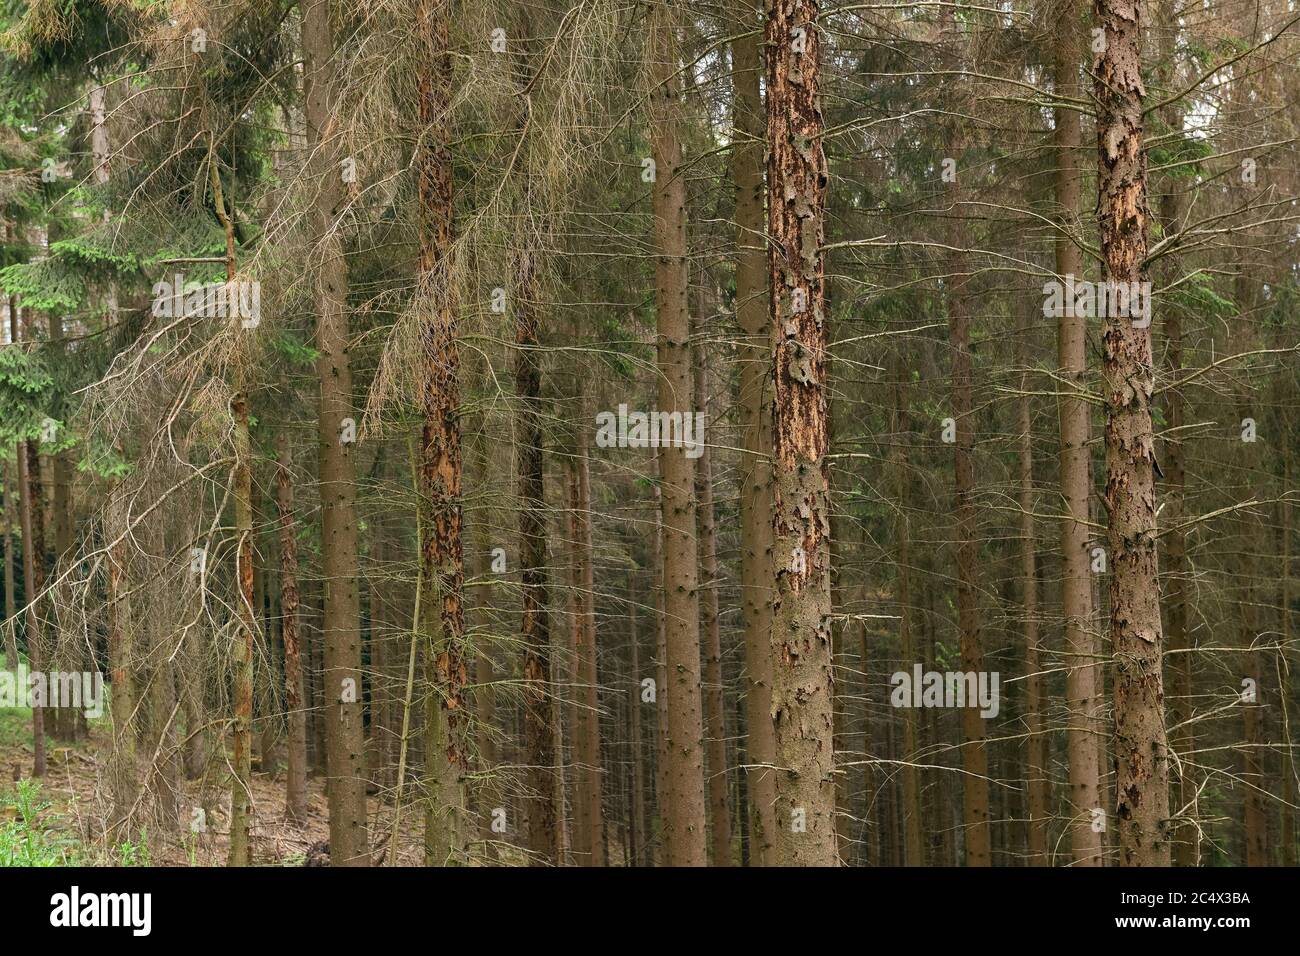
(803, 680)
(1142, 772)
(447, 725)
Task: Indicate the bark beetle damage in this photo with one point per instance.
(1135, 627)
(802, 684)
(440, 458)
(797, 174)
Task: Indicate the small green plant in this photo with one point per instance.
(133, 853)
(29, 839)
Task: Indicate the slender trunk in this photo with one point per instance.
(974, 751)
(756, 470)
(589, 840)
(164, 770)
(345, 781)
(485, 793)
(1037, 770)
(1142, 772)
(1173, 210)
(485, 703)
(535, 629)
(714, 686)
(802, 681)
(1080, 644)
(447, 723)
(242, 759)
(197, 731)
(31, 512)
(11, 623)
(639, 802)
(1290, 787)
(32, 517)
(122, 768)
(914, 854)
(295, 792)
(1255, 816)
(65, 719)
(871, 852)
(684, 752)
(661, 685)
(843, 689)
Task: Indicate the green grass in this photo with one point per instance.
(15, 727)
(31, 832)
(29, 835)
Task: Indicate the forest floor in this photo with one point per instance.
(60, 820)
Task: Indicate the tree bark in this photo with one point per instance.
(65, 720)
(684, 749)
(803, 680)
(589, 833)
(714, 685)
(755, 479)
(31, 513)
(640, 825)
(1037, 770)
(240, 853)
(913, 850)
(11, 625)
(33, 525)
(1182, 733)
(1142, 773)
(974, 751)
(345, 781)
(447, 724)
(535, 627)
(295, 790)
(1081, 653)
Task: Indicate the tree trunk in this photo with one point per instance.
(535, 629)
(1080, 646)
(714, 685)
(803, 681)
(345, 781)
(1290, 787)
(684, 751)
(295, 788)
(31, 512)
(66, 650)
(246, 636)
(914, 853)
(661, 684)
(755, 481)
(640, 825)
(1037, 771)
(121, 628)
(11, 624)
(589, 838)
(1142, 777)
(1173, 210)
(447, 724)
(974, 751)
